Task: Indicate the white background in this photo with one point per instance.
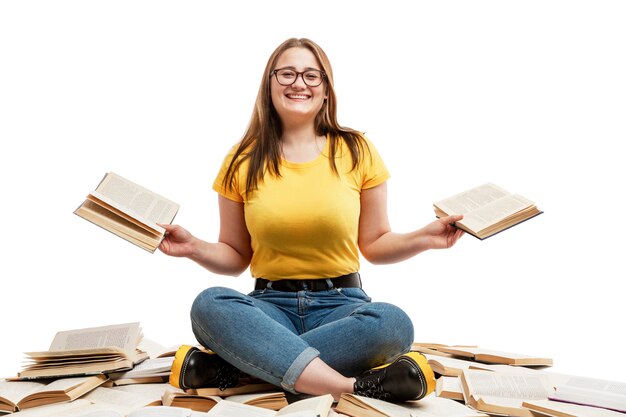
(529, 95)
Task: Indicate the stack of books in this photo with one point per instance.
(88, 351)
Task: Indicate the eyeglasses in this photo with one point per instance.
(286, 76)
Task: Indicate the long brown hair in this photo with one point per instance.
(260, 144)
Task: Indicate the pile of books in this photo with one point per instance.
(512, 384)
(112, 371)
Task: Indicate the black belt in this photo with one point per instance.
(352, 280)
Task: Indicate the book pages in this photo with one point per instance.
(473, 199)
(561, 409)
(496, 211)
(233, 409)
(124, 336)
(503, 393)
(126, 195)
(591, 391)
(432, 406)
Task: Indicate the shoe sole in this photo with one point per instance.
(427, 370)
(179, 366)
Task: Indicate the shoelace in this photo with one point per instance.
(227, 376)
(372, 388)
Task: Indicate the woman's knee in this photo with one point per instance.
(210, 302)
(394, 325)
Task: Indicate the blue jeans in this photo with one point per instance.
(273, 335)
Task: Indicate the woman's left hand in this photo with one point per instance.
(442, 233)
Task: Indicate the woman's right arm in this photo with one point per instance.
(229, 256)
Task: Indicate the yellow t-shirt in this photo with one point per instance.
(304, 224)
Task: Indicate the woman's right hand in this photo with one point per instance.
(230, 255)
(177, 242)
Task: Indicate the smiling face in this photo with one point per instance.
(297, 103)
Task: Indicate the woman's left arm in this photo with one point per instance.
(379, 245)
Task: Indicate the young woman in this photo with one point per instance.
(299, 198)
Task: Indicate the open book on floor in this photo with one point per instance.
(358, 406)
(433, 348)
(449, 387)
(157, 350)
(593, 392)
(85, 408)
(125, 399)
(72, 408)
(454, 367)
(561, 409)
(487, 210)
(241, 388)
(318, 406)
(496, 357)
(429, 406)
(129, 211)
(151, 370)
(96, 410)
(88, 351)
(163, 411)
(21, 395)
(268, 400)
(503, 393)
(448, 366)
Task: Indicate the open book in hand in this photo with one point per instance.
(487, 210)
(88, 351)
(129, 211)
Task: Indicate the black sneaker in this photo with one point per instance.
(409, 377)
(195, 368)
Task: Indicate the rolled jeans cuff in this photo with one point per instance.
(296, 368)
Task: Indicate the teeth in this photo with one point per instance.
(297, 96)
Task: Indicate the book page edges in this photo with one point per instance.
(485, 235)
(119, 227)
(496, 357)
(124, 212)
